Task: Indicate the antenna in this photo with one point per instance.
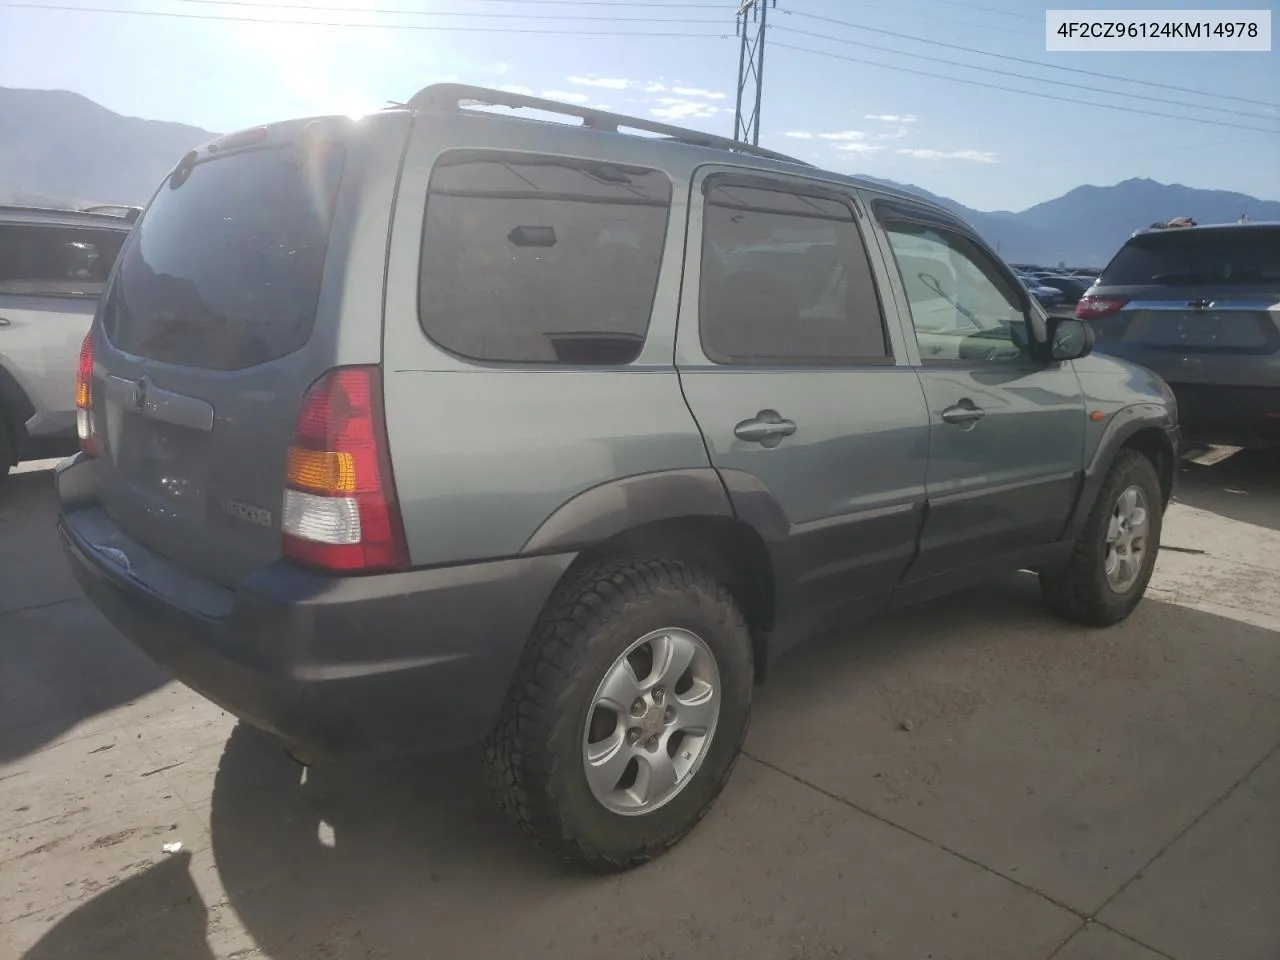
(752, 22)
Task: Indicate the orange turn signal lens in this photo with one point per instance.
(321, 471)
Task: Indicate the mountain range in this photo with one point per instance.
(60, 148)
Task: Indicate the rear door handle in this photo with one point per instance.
(767, 428)
(5, 322)
(966, 412)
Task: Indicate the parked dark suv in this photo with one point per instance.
(444, 427)
(1200, 306)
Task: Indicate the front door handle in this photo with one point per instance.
(5, 322)
(766, 428)
(964, 413)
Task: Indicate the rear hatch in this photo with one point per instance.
(203, 350)
(1196, 305)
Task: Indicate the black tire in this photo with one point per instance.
(1079, 591)
(535, 751)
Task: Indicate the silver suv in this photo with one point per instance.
(1200, 305)
(445, 427)
(52, 267)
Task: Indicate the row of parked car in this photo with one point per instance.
(1056, 289)
(447, 427)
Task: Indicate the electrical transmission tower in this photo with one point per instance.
(752, 22)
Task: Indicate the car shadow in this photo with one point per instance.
(1243, 487)
(61, 663)
(123, 921)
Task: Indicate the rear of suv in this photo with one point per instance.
(53, 265)
(442, 427)
(1200, 306)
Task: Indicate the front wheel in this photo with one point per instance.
(1116, 552)
(627, 714)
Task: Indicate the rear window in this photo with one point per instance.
(1241, 256)
(56, 261)
(224, 269)
(535, 259)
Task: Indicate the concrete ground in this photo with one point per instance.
(970, 779)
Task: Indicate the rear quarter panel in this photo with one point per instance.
(484, 453)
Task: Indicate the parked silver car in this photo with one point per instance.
(53, 264)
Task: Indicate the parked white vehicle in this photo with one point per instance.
(53, 265)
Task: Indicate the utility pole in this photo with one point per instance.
(752, 22)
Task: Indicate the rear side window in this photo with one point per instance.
(1239, 256)
(56, 261)
(533, 259)
(223, 271)
(785, 280)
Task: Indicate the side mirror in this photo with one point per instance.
(1068, 339)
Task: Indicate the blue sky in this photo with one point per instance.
(988, 148)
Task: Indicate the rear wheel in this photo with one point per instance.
(1116, 552)
(627, 714)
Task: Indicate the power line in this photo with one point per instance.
(483, 15)
(1036, 63)
(1002, 13)
(1027, 76)
(1027, 93)
(438, 28)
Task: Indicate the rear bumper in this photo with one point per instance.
(1231, 415)
(383, 664)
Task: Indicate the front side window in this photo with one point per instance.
(786, 280)
(962, 306)
(533, 259)
(56, 261)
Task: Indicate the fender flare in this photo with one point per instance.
(1124, 424)
(611, 508)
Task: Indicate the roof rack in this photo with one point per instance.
(454, 96)
(129, 212)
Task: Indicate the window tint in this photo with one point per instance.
(962, 306)
(541, 259)
(785, 279)
(40, 260)
(224, 269)
(1234, 256)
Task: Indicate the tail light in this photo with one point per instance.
(340, 510)
(1095, 308)
(86, 428)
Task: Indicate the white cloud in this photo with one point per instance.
(799, 134)
(565, 96)
(608, 83)
(859, 147)
(600, 106)
(683, 110)
(516, 88)
(977, 156)
(844, 135)
(500, 68)
(698, 92)
(653, 87)
(893, 134)
(890, 117)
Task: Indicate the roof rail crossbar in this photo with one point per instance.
(454, 96)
